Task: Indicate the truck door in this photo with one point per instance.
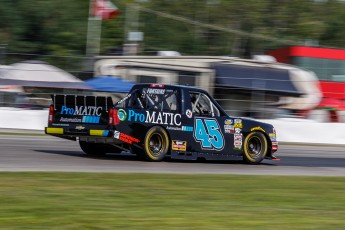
(210, 133)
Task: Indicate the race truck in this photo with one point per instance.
(156, 121)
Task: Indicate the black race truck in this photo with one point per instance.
(155, 121)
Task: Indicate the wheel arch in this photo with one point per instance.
(269, 144)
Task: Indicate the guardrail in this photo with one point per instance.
(288, 129)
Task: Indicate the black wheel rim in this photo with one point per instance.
(156, 144)
(254, 147)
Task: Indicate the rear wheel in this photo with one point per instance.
(255, 148)
(156, 144)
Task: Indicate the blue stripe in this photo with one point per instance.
(91, 119)
(187, 128)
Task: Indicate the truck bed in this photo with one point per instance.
(72, 116)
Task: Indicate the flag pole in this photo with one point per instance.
(94, 29)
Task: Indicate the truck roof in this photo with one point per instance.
(170, 86)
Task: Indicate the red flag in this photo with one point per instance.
(104, 9)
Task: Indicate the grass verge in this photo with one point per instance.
(152, 201)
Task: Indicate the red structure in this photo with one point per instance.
(286, 55)
(329, 66)
(327, 63)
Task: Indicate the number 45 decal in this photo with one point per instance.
(207, 132)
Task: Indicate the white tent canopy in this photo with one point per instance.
(39, 74)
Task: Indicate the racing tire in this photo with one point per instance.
(92, 149)
(255, 148)
(156, 144)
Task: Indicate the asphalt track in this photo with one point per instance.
(45, 153)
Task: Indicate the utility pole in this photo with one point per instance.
(3, 54)
(132, 34)
(94, 30)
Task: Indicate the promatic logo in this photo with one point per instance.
(90, 114)
(150, 117)
(122, 115)
(81, 110)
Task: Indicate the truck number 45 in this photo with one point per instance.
(207, 132)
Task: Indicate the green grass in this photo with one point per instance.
(152, 201)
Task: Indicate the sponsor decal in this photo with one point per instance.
(152, 117)
(238, 145)
(238, 123)
(174, 128)
(116, 134)
(273, 137)
(81, 110)
(65, 119)
(229, 129)
(179, 145)
(187, 128)
(79, 127)
(121, 114)
(228, 122)
(189, 113)
(258, 128)
(60, 124)
(155, 91)
(238, 141)
(238, 137)
(91, 114)
(163, 118)
(238, 130)
(125, 138)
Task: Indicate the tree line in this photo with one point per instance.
(55, 28)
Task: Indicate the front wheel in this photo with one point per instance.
(156, 144)
(255, 148)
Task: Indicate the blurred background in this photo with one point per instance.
(264, 59)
